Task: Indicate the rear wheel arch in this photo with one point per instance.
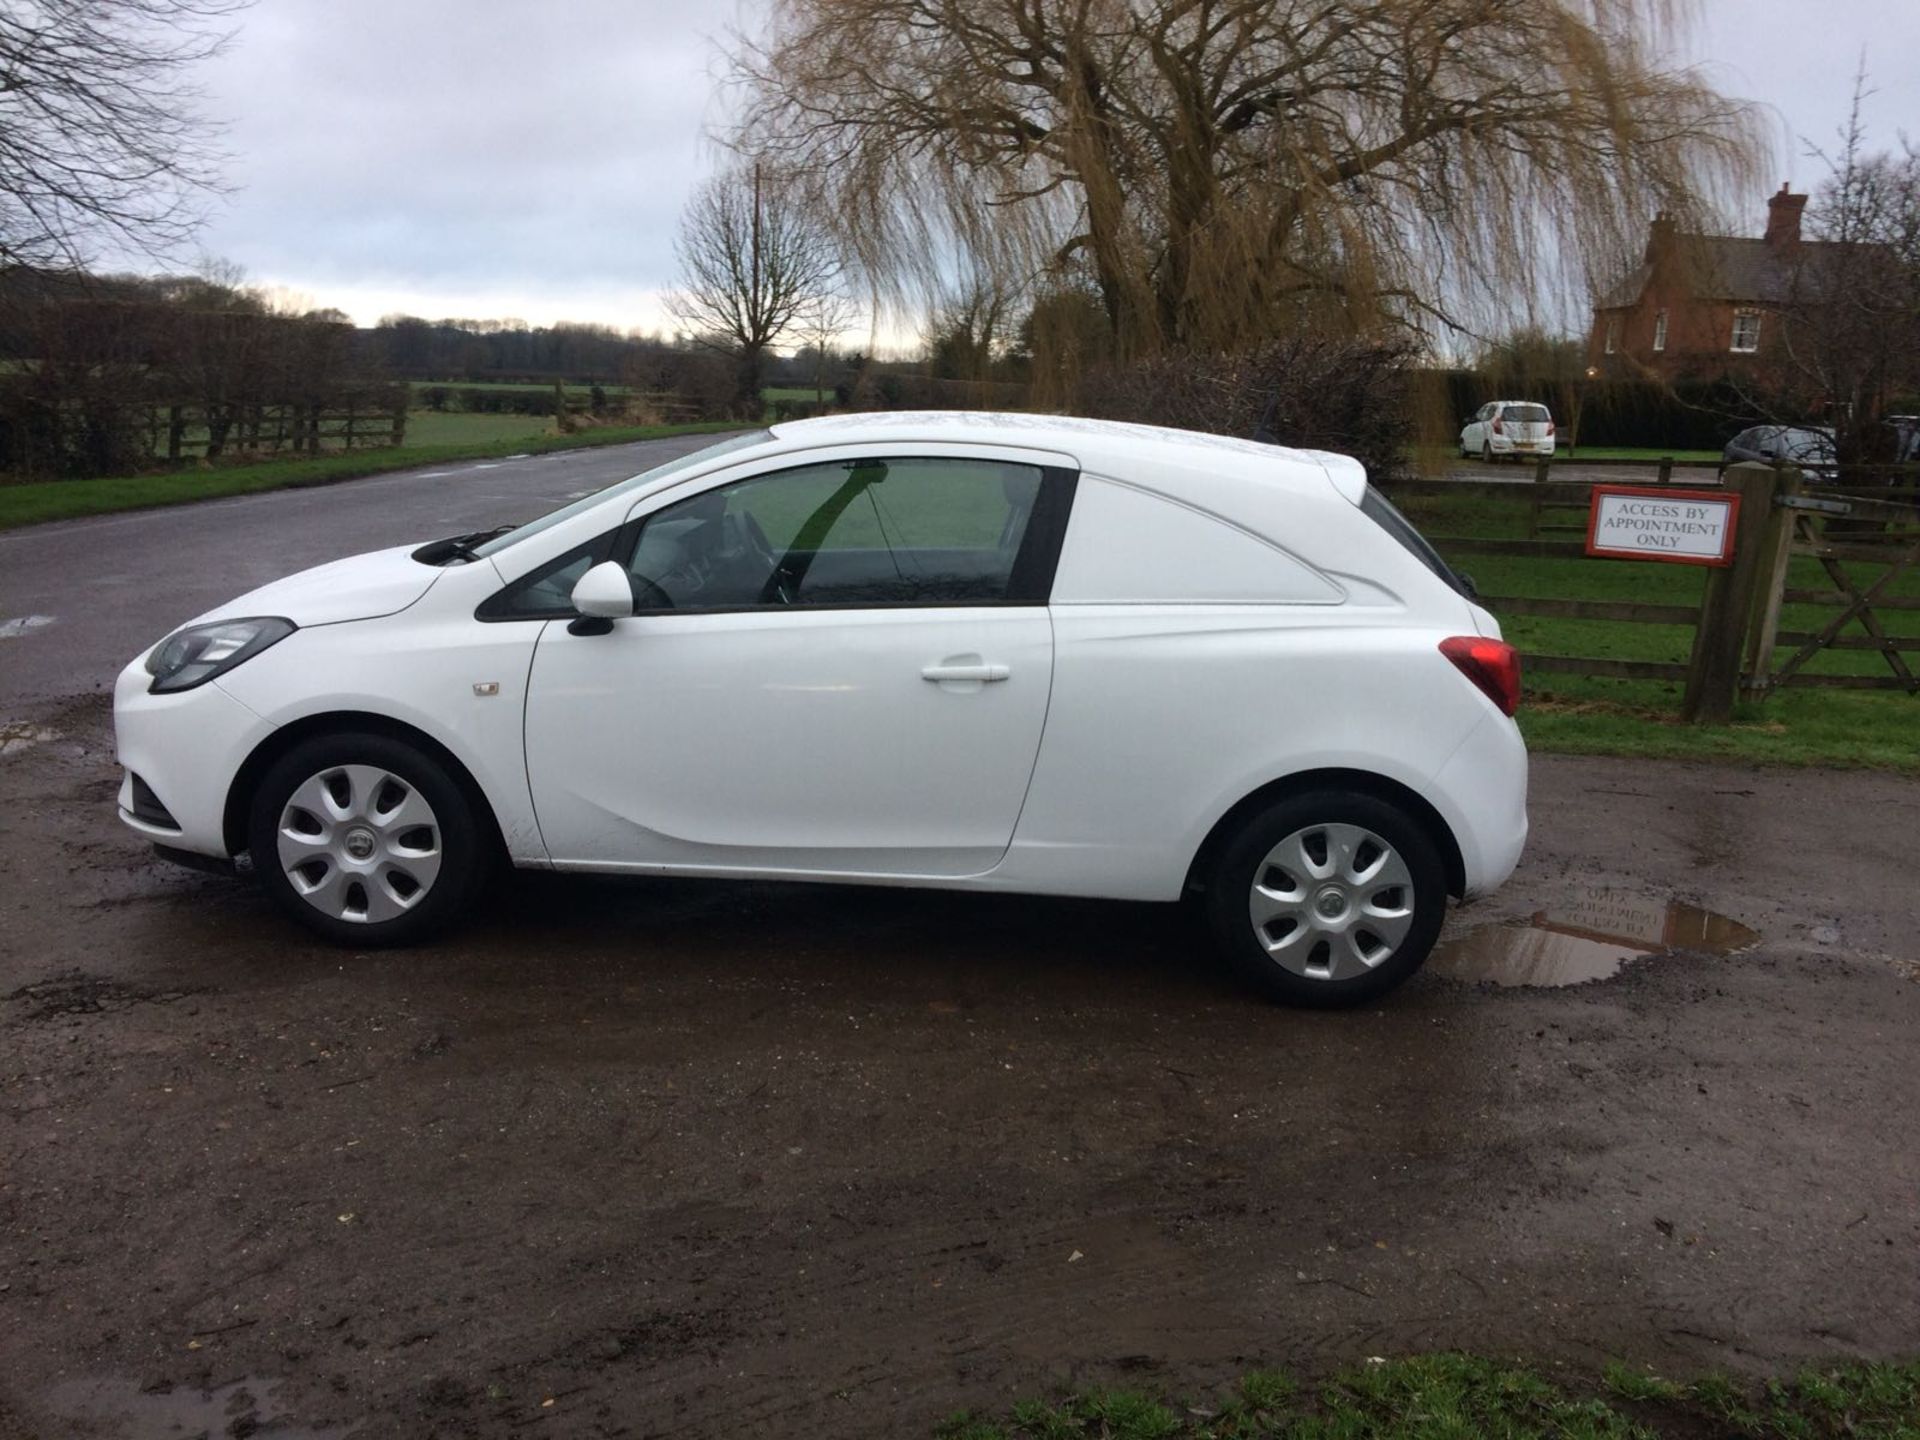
(346, 722)
(1361, 782)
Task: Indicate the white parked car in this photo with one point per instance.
(1506, 428)
(984, 652)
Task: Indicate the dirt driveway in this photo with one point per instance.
(661, 1158)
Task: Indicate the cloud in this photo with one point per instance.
(464, 152)
(492, 157)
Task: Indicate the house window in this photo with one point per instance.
(1746, 331)
(1613, 333)
(1659, 330)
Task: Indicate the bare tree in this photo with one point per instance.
(101, 140)
(825, 319)
(752, 261)
(1852, 324)
(970, 330)
(1219, 170)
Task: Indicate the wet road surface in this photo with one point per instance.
(87, 594)
(647, 1158)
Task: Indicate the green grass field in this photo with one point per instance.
(1431, 459)
(1628, 452)
(1607, 716)
(1466, 1397)
(429, 428)
(40, 501)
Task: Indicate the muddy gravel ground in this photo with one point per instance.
(649, 1158)
(665, 1158)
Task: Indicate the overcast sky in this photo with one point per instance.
(496, 158)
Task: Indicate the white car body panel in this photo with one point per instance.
(359, 587)
(800, 743)
(1223, 616)
(420, 673)
(1128, 545)
(186, 747)
(1115, 811)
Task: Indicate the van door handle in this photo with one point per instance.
(941, 674)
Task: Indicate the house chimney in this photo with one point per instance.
(1660, 237)
(1783, 217)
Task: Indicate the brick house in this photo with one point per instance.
(1700, 307)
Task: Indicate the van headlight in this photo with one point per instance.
(196, 654)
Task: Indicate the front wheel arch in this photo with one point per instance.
(1363, 782)
(247, 779)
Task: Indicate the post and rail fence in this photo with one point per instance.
(1738, 623)
(43, 439)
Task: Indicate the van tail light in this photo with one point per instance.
(1549, 429)
(1493, 665)
(1496, 428)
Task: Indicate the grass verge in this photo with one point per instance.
(1654, 454)
(1438, 459)
(40, 501)
(427, 428)
(1449, 1395)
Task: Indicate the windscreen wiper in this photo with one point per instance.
(458, 547)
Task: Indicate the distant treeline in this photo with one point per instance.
(513, 352)
(506, 350)
(106, 375)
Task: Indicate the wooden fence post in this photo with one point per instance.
(1713, 670)
(1541, 468)
(399, 422)
(1769, 587)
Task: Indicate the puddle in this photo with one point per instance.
(110, 1405)
(1589, 937)
(16, 736)
(23, 625)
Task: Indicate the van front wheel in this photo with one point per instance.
(365, 839)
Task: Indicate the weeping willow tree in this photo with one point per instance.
(1213, 172)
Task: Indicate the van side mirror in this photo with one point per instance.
(604, 592)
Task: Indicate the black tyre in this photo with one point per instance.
(366, 840)
(1486, 452)
(1329, 898)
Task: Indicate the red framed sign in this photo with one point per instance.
(1682, 527)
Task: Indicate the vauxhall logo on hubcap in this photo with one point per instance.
(360, 844)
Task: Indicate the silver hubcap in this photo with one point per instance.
(359, 843)
(1331, 902)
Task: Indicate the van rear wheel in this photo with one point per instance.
(1326, 899)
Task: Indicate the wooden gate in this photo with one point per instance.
(1863, 545)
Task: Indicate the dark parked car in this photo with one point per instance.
(1906, 431)
(1809, 448)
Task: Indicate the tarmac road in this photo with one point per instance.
(726, 1160)
(109, 585)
